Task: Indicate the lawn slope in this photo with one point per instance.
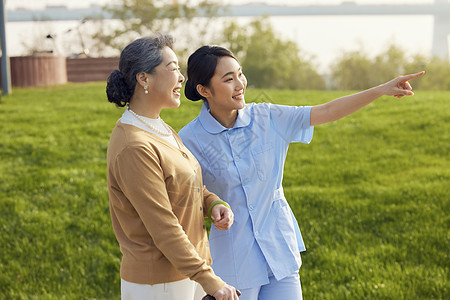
(371, 194)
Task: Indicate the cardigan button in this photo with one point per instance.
(184, 155)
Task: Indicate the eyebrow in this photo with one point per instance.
(172, 62)
(229, 73)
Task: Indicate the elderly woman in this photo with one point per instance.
(156, 194)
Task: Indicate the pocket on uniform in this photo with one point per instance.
(286, 224)
(263, 158)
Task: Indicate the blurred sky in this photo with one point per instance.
(40, 4)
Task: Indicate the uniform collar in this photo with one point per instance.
(213, 126)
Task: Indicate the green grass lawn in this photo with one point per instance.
(371, 194)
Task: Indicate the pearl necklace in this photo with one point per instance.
(157, 130)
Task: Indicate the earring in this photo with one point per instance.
(145, 89)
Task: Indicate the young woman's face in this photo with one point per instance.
(227, 86)
(165, 82)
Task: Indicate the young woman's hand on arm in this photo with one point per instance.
(223, 217)
(219, 212)
(344, 106)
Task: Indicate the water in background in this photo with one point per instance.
(320, 37)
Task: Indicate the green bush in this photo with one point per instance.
(355, 70)
(268, 61)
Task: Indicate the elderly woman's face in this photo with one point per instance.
(165, 82)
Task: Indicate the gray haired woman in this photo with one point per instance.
(156, 195)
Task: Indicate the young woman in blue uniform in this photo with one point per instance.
(242, 149)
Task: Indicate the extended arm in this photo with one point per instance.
(344, 106)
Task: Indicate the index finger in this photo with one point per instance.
(411, 76)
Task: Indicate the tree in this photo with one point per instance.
(352, 71)
(437, 76)
(269, 62)
(355, 70)
(147, 17)
(387, 65)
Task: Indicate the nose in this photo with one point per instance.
(241, 83)
(181, 78)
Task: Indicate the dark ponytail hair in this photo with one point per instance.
(201, 68)
(141, 55)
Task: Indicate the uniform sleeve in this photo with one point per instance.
(292, 123)
(142, 181)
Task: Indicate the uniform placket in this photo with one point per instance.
(238, 149)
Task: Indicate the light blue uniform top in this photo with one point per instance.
(244, 167)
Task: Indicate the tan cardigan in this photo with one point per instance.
(157, 206)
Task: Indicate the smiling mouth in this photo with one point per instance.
(176, 91)
(239, 96)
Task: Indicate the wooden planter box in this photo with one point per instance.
(47, 69)
(38, 70)
(90, 69)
